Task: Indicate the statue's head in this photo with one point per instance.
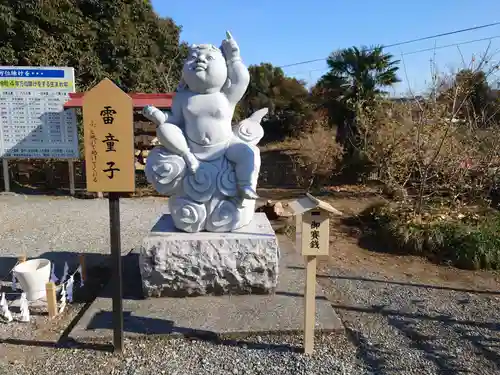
(204, 69)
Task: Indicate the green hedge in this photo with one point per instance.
(469, 241)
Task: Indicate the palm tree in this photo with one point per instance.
(363, 73)
(356, 76)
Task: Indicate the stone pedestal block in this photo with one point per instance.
(176, 263)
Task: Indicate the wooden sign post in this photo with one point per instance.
(312, 239)
(109, 162)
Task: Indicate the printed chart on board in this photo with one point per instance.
(33, 122)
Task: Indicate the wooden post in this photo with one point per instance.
(83, 275)
(6, 176)
(298, 232)
(50, 290)
(71, 172)
(108, 126)
(310, 304)
(313, 238)
(21, 258)
(309, 291)
(114, 228)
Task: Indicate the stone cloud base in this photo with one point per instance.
(174, 263)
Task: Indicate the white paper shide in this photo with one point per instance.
(4, 309)
(24, 316)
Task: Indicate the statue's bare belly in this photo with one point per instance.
(207, 119)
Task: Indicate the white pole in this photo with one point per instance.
(6, 177)
(71, 170)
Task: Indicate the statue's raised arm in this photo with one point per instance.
(237, 73)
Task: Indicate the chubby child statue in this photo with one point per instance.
(198, 128)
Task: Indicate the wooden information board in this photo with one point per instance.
(109, 139)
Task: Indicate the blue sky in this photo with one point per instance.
(285, 32)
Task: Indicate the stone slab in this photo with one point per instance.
(174, 263)
(224, 316)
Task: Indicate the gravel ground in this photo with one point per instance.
(39, 225)
(400, 328)
(182, 356)
(393, 327)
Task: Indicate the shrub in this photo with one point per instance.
(446, 142)
(318, 156)
(468, 239)
(419, 146)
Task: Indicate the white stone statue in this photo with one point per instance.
(208, 167)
